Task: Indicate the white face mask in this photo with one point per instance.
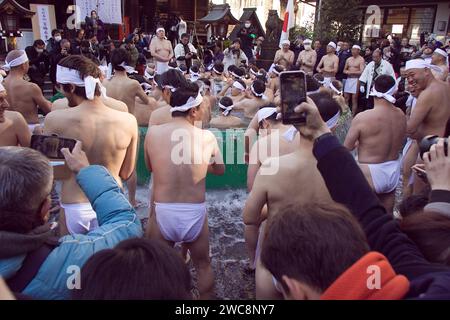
(58, 38)
(338, 48)
(307, 47)
(40, 50)
(248, 25)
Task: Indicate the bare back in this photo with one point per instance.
(380, 134)
(124, 89)
(180, 180)
(222, 122)
(250, 106)
(109, 138)
(24, 97)
(14, 130)
(143, 112)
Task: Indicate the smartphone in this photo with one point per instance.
(421, 173)
(50, 146)
(293, 93)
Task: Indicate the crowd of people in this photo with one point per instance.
(319, 220)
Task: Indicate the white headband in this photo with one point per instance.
(148, 76)
(227, 109)
(335, 90)
(239, 86)
(215, 70)
(23, 58)
(191, 103)
(332, 44)
(441, 52)
(235, 75)
(253, 72)
(127, 68)
(307, 41)
(420, 64)
(265, 113)
(285, 42)
(160, 29)
(259, 95)
(289, 135)
(356, 47)
(387, 95)
(71, 76)
(182, 71)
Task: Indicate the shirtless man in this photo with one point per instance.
(354, 67)
(274, 81)
(293, 172)
(121, 87)
(307, 58)
(379, 135)
(109, 137)
(271, 132)
(440, 59)
(226, 120)
(179, 173)
(161, 50)
(329, 64)
(143, 112)
(284, 53)
(237, 87)
(255, 100)
(24, 97)
(13, 127)
(432, 110)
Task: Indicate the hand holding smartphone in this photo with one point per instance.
(50, 146)
(293, 93)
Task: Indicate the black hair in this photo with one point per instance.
(237, 41)
(157, 78)
(118, 56)
(181, 96)
(259, 86)
(413, 204)
(38, 42)
(55, 31)
(136, 269)
(205, 81)
(383, 83)
(231, 68)
(194, 68)
(226, 101)
(261, 78)
(183, 67)
(173, 64)
(328, 107)
(173, 78)
(312, 84)
(184, 35)
(79, 31)
(219, 66)
(239, 72)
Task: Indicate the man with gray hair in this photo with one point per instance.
(32, 260)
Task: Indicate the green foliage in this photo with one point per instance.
(339, 20)
(307, 31)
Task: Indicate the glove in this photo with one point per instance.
(362, 89)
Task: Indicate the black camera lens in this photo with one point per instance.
(427, 142)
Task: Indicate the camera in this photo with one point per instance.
(427, 142)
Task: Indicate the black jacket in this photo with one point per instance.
(347, 185)
(343, 56)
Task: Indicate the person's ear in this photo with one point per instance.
(45, 209)
(298, 290)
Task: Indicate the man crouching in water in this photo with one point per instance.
(180, 155)
(379, 135)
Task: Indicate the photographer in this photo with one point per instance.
(234, 55)
(106, 47)
(32, 260)
(39, 62)
(185, 51)
(248, 34)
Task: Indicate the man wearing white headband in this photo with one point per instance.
(329, 64)
(130, 92)
(179, 155)
(161, 50)
(285, 53)
(226, 118)
(109, 137)
(440, 59)
(354, 67)
(289, 172)
(377, 67)
(23, 96)
(379, 135)
(235, 89)
(432, 109)
(307, 58)
(13, 127)
(255, 100)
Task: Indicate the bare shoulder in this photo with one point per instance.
(60, 104)
(14, 116)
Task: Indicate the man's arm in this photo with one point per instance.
(216, 167)
(346, 67)
(38, 98)
(171, 54)
(277, 57)
(23, 133)
(319, 66)
(129, 162)
(255, 203)
(423, 107)
(253, 167)
(140, 93)
(352, 135)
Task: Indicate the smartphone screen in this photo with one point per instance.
(293, 93)
(51, 146)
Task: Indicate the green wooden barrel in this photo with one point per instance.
(232, 149)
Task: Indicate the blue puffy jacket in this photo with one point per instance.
(117, 222)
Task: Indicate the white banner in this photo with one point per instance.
(109, 11)
(44, 22)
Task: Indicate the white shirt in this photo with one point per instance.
(182, 28)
